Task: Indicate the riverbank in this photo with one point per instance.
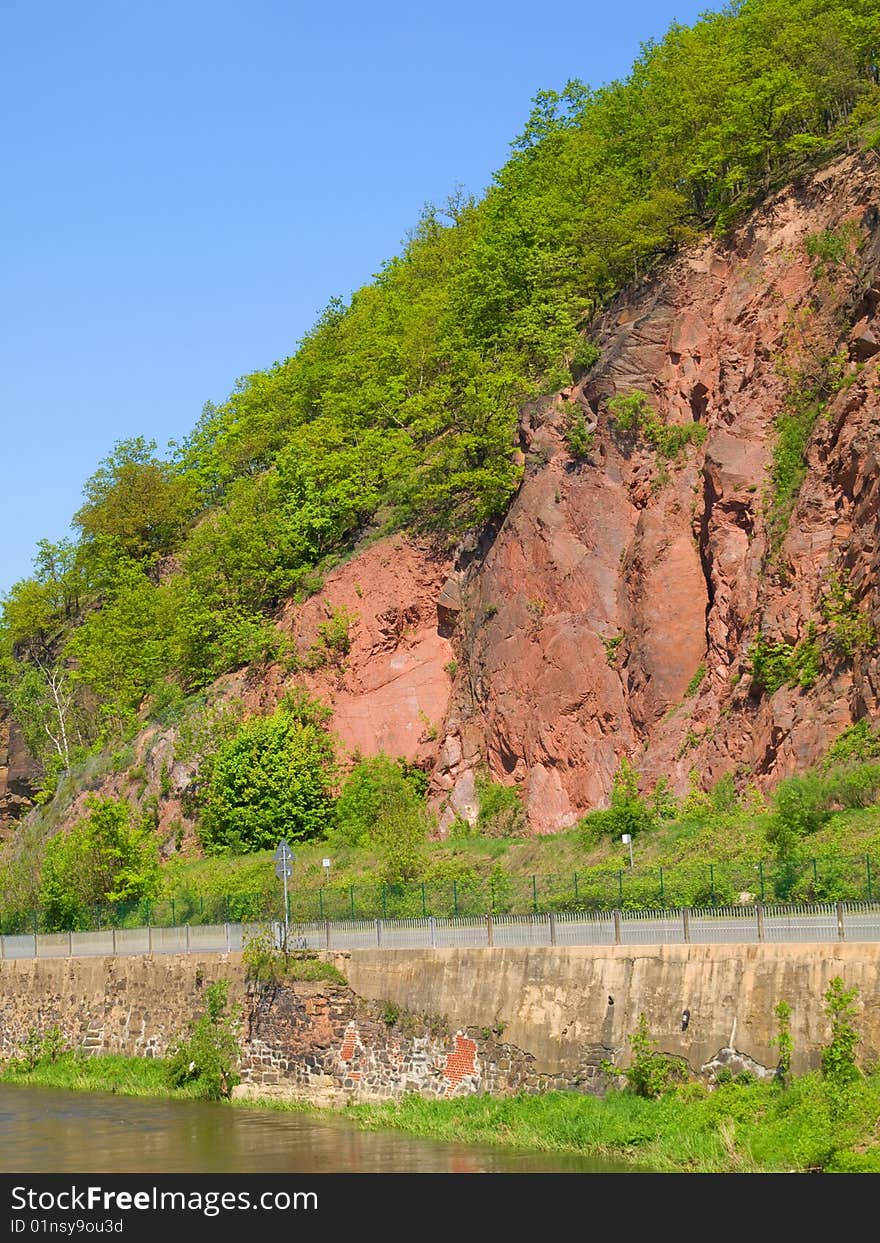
(736, 1128)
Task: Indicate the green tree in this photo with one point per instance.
(838, 1056)
(272, 780)
(137, 500)
(207, 1056)
(106, 857)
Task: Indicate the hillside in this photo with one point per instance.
(587, 477)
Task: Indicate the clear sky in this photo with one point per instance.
(186, 183)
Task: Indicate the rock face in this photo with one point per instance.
(388, 682)
(18, 771)
(614, 611)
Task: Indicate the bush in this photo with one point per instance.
(838, 1056)
(272, 780)
(372, 789)
(207, 1056)
(628, 813)
(650, 1073)
(501, 812)
(108, 857)
(857, 742)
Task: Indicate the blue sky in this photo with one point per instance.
(187, 184)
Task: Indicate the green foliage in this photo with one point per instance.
(650, 1073)
(611, 645)
(696, 681)
(334, 640)
(783, 1041)
(578, 438)
(832, 248)
(501, 812)
(628, 812)
(585, 356)
(206, 1057)
(722, 797)
(267, 965)
(858, 742)
(137, 501)
(374, 788)
(838, 1056)
(634, 413)
(273, 779)
(777, 663)
(800, 808)
(381, 803)
(40, 1048)
(850, 630)
(107, 857)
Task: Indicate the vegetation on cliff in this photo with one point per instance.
(399, 410)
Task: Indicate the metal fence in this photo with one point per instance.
(731, 925)
(847, 879)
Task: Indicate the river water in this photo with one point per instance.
(44, 1130)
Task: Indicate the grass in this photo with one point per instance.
(757, 1127)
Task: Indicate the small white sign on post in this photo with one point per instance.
(627, 840)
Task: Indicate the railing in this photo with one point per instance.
(732, 925)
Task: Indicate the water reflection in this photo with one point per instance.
(49, 1131)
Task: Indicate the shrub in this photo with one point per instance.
(838, 1056)
(857, 742)
(207, 1055)
(578, 438)
(650, 1073)
(634, 413)
(501, 812)
(628, 813)
(373, 788)
(783, 1041)
(110, 856)
(777, 663)
(586, 355)
(849, 630)
(272, 780)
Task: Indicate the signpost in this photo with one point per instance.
(284, 859)
(627, 840)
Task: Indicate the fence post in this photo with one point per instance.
(490, 930)
(759, 913)
(662, 896)
(149, 938)
(187, 937)
(2, 947)
(551, 918)
(70, 945)
(326, 933)
(379, 932)
(35, 945)
(841, 931)
(868, 872)
(113, 940)
(616, 916)
(432, 928)
(761, 877)
(534, 894)
(454, 896)
(226, 932)
(686, 924)
(575, 886)
(351, 899)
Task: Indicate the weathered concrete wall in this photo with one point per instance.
(456, 1021)
(558, 1003)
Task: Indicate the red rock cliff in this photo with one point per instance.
(613, 580)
